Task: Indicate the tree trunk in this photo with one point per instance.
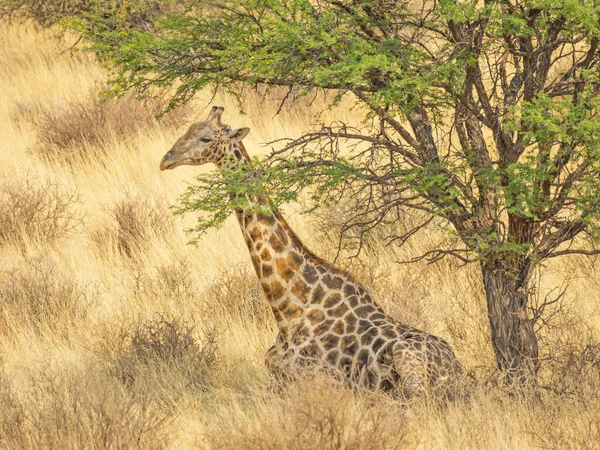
(514, 341)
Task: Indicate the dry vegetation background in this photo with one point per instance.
(114, 333)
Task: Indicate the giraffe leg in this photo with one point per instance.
(275, 358)
(411, 367)
(274, 362)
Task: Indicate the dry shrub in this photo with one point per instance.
(35, 210)
(175, 279)
(314, 414)
(39, 296)
(12, 415)
(568, 346)
(167, 350)
(237, 294)
(569, 353)
(172, 281)
(574, 370)
(89, 121)
(402, 295)
(135, 220)
(85, 410)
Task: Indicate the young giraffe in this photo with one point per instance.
(325, 317)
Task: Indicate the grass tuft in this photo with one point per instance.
(135, 220)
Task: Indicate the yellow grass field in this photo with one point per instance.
(115, 333)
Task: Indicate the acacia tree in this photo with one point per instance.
(486, 113)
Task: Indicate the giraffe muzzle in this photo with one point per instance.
(167, 162)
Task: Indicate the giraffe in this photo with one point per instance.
(324, 316)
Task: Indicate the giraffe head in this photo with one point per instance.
(204, 142)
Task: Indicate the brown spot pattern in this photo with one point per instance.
(352, 334)
(339, 310)
(318, 295)
(301, 290)
(284, 270)
(276, 243)
(265, 255)
(292, 312)
(315, 316)
(332, 300)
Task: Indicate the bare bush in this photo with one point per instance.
(402, 295)
(135, 219)
(368, 232)
(66, 129)
(237, 294)
(39, 296)
(575, 369)
(85, 410)
(166, 349)
(570, 357)
(35, 210)
(314, 414)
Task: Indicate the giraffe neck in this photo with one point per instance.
(284, 266)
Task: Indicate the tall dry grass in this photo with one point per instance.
(114, 333)
(77, 126)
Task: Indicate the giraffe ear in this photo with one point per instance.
(239, 134)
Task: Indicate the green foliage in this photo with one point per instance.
(277, 43)
(219, 194)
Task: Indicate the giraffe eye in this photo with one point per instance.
(205, 140)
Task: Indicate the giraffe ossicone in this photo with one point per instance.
(324, 316)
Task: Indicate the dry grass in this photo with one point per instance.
(141, 13)
(107, 324)
(135, 220)
(236, 295)
(32, 210)
(313, 414)
(79, 126)
(12, 419)
(83, 410)
(172, 280)
(38, 296)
